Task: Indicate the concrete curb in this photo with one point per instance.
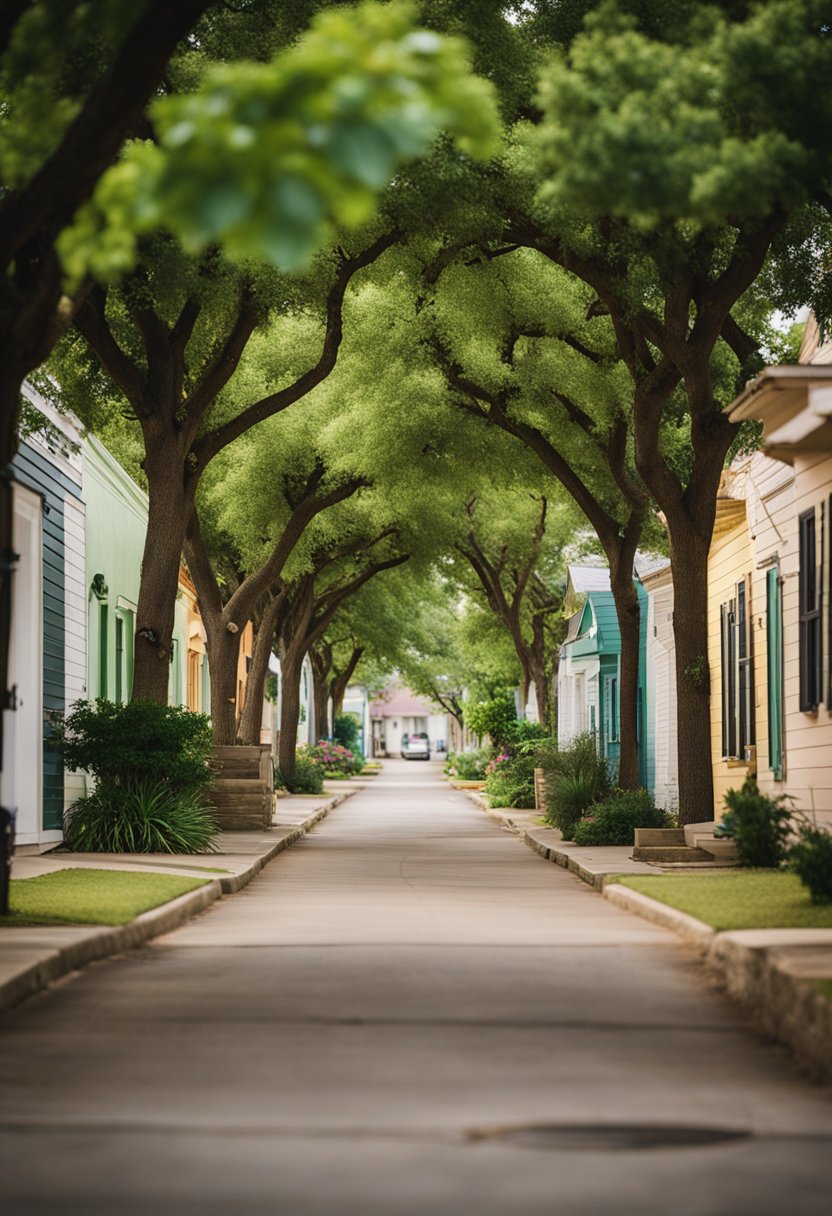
(768, 972)
(104, 942)
(692, 930)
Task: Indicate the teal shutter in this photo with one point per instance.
(774, 661)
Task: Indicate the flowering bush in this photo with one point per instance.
(335, 758)
(307, 776)
(494, 764)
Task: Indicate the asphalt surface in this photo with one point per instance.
(408, 1014)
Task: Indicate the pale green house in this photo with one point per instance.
(116, 525)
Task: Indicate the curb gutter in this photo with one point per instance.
(104, 942)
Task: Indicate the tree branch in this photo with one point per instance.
(92, 141)
(213, 442)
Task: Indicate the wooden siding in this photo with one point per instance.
(730, 560)
(775, 495)
(52, 475)
(661, 694)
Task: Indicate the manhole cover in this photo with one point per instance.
(593, 1137)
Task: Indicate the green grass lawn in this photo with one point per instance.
(91, 897)
(739, 899)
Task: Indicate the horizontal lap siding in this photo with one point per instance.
(730, 560)
(60, 492)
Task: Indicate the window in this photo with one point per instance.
(774, 666)
(811, 656)
(119, 658)
(103, 643)
(611, 708)
(737, 663)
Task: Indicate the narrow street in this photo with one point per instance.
(344, 1036)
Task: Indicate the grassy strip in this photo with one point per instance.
(91, 897)
(740, 899)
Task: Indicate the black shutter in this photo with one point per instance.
(811, 655)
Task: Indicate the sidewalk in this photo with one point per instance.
(32, 958)
(773, 973)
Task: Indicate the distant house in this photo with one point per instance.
(771, 571)
(400, 713)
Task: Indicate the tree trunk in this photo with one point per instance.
(320, 658)
(629, 626)
(291, 667)
(320, 700)
(689, 563)
(169, 509)
(252, 716)
(339, 683)
(223, 660)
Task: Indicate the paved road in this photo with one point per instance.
(343, 1038)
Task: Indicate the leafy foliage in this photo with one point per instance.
(268, 159)
(760, 825)
(614, 819)
(306, 777)
(811, 860)
(345, 730)
(575, 777)
(468, 766)
(138, 742)
(510, 780)
(140, 815)
(495, 718)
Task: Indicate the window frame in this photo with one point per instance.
(810, 611)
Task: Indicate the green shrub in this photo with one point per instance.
(140, 741)
(496, 718)
(470, 766)
(760, 823)
(524, 733)
(510, 780)
(306, 778)
(450, 763)
(574, 777)
(811, 860)
(615, 819)
(345, 730)
(140, 816)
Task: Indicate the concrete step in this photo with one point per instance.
(692, 830)
(725, 850)
(239, 785)
(660, 838)
(659, 854)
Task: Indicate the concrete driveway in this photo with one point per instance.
(408, 1014)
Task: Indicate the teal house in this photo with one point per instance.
(589, 668)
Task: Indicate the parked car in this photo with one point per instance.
(417, 748)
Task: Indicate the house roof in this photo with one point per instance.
(589, 578)
(401, 703)
(794, 403)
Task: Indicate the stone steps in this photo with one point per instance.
(669, 854)
(694, 844)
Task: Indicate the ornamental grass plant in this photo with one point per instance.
(140, 816)
(574, 777)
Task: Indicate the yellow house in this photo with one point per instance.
(781, 551)
(732, 644)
